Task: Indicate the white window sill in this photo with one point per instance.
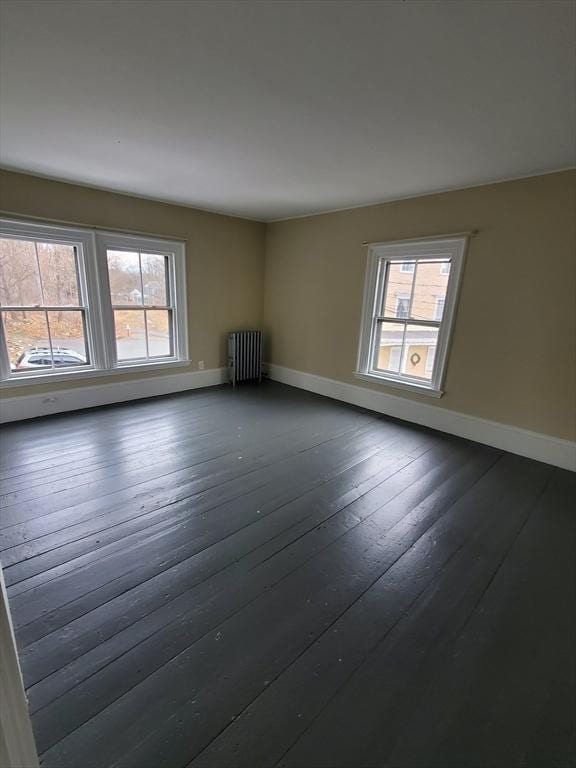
(89, 373)
(421, 389)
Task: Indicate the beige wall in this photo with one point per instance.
(224, 257)
(513, 353)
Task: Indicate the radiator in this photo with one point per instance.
(245, 356)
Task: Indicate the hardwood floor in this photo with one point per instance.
(264, 577)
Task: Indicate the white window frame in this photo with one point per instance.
(380, 255)
(91, 246)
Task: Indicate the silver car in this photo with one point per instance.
(41, 357)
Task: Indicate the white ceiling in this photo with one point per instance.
(276, 109)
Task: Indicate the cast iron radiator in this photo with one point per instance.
(245, 356)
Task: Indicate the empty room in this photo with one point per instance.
(287, 383)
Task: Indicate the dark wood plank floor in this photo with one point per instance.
(264, 577)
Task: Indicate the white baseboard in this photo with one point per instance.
(551, 450)
(63, 400)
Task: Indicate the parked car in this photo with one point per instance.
(39, 357)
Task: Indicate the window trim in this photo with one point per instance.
(94, 285)
(379, 254)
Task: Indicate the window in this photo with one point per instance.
(430, 355)
(76, 303)
(402, 305)
(411, 311)
(43, 305)
(439, 307)
(141, 303)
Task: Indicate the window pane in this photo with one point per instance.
(159, 332)
(420, 341)
(154, 279)
(58, 271)
(124, 272)
(19, 282)
(439, 308)
(430, 359)
(130, 334)
(68, 342)
(398, 290)
(389, 346)
(429, 291)
(27, 340)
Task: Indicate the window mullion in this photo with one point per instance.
(40, 281)
(49, 334)
(146, 332)
(101, 286)
(403, 350)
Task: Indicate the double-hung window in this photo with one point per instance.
(409, 307)
(76, 303)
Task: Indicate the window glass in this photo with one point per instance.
(130, 334)
(397, 291)
(429, 286)
(68, 338)
(417, 341)
(439, 308)
(430, 357)
(159, 325)
(389, 347)
(124, 275)
(154, 279)
(26, 334)
(402, 305)
(19, 278)
(58, 273)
